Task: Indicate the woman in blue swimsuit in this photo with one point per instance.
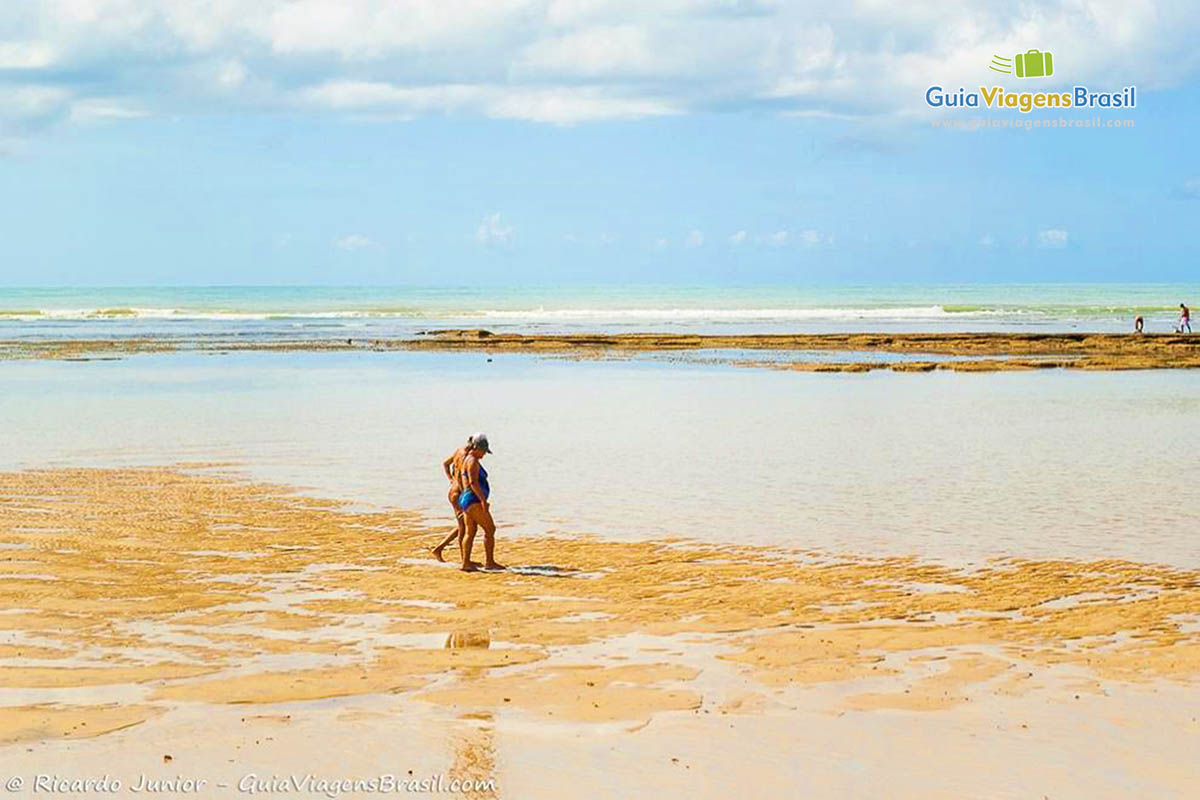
(473, 501)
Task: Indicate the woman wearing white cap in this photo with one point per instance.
(473, 501)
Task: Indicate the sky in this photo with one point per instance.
(464, 142)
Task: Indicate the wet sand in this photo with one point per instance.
(236, 626)
(988, 352)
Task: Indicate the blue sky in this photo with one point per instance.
(705, 142)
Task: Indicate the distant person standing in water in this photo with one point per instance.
(1138, 324)
(475, 507)
(1185, 318)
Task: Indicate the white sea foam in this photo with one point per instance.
(722, 314)
(540, 314)
(197, 314)
(393, 313)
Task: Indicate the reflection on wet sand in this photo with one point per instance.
(474, 745)
(461, 640)
(473, 739)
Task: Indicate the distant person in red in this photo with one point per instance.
(1138, 324)
(1185, 318)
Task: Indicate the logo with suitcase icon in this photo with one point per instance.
(1030, 64)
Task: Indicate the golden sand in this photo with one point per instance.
(78, 722)
(988, 352)
(187, 586)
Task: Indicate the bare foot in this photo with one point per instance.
(470, 566)
(476, 564)
(494, 565)
(437, 553)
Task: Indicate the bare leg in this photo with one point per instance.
(457, 533)
(462, 535)
(468, 542)
(489, 549)
(482, 518)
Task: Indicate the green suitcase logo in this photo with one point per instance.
(1034, 64)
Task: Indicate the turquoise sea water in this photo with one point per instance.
(384, 311)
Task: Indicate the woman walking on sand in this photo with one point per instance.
(473, 502)
(454, 467)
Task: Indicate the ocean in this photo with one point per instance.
(367, 312)
(946, 465)
(957, 467)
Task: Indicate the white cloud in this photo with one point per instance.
(570, 105)
(605, 50)
(738, 237)
(987, 241)
(1052, 238)
(561, 105)
(1190, 187)
(25, 55)
(493, 231)
(231, 73)
(354, 241)
(812, 238)
(376, 95)
(695, 238)
(31, 102)
(371, 29)
(12, 146)
(662, 243)
(601, 240)
(102, 109)
(806, 238)
(572, 61)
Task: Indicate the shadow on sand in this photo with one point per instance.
(543, 570)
